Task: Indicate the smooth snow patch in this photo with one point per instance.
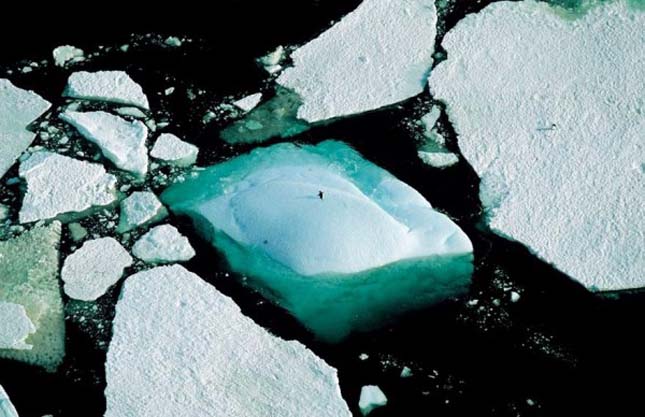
(6, 407)
(93, 268)
(371, 397)
(163, 244)
(15, 326)
(112, 86)
(139, 208)
(66, 53)
(121, 141)
(171, 149)
(248, 103)
(18, 108)
(353, 67)
(189, 351)
(57, 184)
(554, 131)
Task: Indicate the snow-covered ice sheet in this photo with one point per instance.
(369, 247)
(189, 351)
(163, 244)
(110, 86)
(550, 112)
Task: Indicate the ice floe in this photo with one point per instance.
(438, 159)
(371, 398)
(121, 141)
(57, 184)
(67, 53)
(6, 407)
(18, 108)
(139, 208)
(15, 326)
(93, 268)
(378, 54)
(326, 230)
(163, 244)
(29, 271)
(171, 149)
(189, 351)
(248, 103)
(550, 113)
(111, 86)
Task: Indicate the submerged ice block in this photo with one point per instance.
(336, 240)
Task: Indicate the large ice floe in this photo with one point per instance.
(58, 184)
(29, 278)
(110, 86)
(121, 141)
(370, 247)
(6, 407)
(550, 112)
(377, 55)
(181, 348)
(18, 108)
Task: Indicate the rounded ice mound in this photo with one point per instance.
(320, 227)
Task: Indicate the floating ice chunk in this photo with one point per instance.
(6, 407)
(173, 41)
(131, 111)
(93, 268)
(15, 326)
(272, 59)
(371, 398)
(248, 103)
(57, 184)
(18, 108)
(553, 131)
(163, 244)
(171, 149)
(66, 53)
(139, 208)
(77, 232)
(112, 86)
(515, 296)
(438, 159)
(29, 272)
(406, 372)
(352, 67)
(121, 141)
(367, 247)
(189, 351)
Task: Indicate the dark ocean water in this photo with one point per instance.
(560, 350)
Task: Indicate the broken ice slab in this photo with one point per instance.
(169, 148)
(15, 326)
(110, 86)
(188, 350)
(336, 240)
(29, 272)
(67, 53)
(6, 407)
(371, 398)
(18, 108)
(248, 103)
(139, 208)
(555, 134)
(163, 244)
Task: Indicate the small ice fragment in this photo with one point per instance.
(363, 356)
(163, 244)
(515, 296)
(111, 86)
(171, 149)
(248, 103)
(63, 54)
(6, 407)
(15, 326)
(139, 208)
(77, 232)
(4, 212)
(273, 58)
(173, 41)
(131, 111)
(406, 372)
(57, 184)
(371, 397)
(438, 159)
(168, 91)
(429, 119)
(93, 268)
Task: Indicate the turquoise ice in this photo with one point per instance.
(339, 242)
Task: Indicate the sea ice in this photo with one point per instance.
(66, 53)
(93, 268)
(171, 149)
(550, 113)
(131, 111)
(29, 271)
(438, 159)
(338, 241)
(248, 103)
(121, 141)
(6, 407)
(139, 208)
(377, 55)
(371, 397)
(18, 108)
(111, 86)
(57, 184)
(188, 351)
(15, 326)
(163, 244)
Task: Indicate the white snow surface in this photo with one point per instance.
(121, 141)
(6, 407)
(249, 102)
(170, 148)
(371, 398)
(57, 184)
(18, 108)
(188, 351)
(163, 244)
(574, 193)
(93, 268)
(15, 326)
(110, 86)
(139, 208)
(377, 55)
